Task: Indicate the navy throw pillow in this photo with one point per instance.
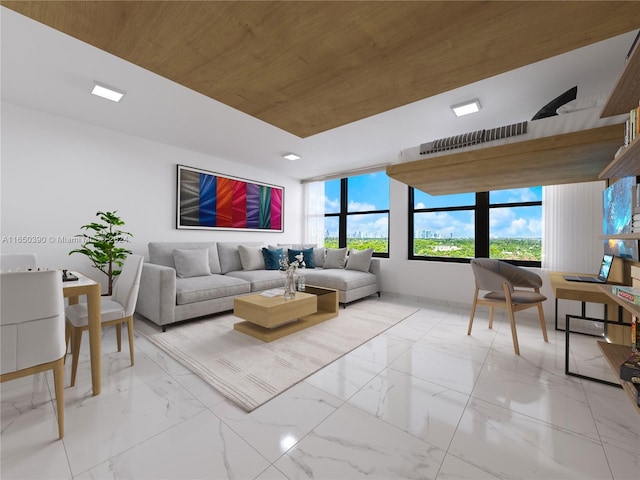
(307, 256)
(272, 258)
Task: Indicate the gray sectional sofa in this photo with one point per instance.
(185, 280)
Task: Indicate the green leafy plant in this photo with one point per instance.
(100, 245)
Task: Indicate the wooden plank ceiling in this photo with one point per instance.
(307, 67)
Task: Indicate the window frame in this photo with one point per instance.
(343, 214)
(481, 209)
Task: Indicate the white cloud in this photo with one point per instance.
(331, 205)
(360, 207)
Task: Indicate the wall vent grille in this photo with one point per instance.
(473, 138)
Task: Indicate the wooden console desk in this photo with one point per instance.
(578, 291)
(617, 331)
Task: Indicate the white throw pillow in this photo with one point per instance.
(359, 259)
(192, 262)
(335, 258)
(251, 257)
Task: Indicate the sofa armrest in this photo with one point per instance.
(157, 295)
(374, 268)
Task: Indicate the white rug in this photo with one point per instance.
(250, 372)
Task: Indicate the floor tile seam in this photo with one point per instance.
(440, 385)
(591, 439)
(283, 454)
(474, 397)
(349, 404)
(595, 422)
(469, 399)
(395, 426)
(186, 388)
(246, 440)
(141, 385)
(137, 444)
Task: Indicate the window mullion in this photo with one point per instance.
(342, 230)
(482, 224)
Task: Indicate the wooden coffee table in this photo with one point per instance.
(270, 318)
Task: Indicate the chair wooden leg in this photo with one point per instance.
(490, 318)
(76, 340)
(514, 334)
(543, 324)
(119, 335)
(473, 311)
(58, 380)
(67, 339)
(130, 332)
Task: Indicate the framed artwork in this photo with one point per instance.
(208, 200)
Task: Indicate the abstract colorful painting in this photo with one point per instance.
(208, 200)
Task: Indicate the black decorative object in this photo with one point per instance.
(549, 110)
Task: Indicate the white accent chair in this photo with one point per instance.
(17, 261)
(32, 335)
(115, 310)
(504, 283)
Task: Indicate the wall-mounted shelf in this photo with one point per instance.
(622, 236)
(626, 93)
(625, 164)
(623, 98)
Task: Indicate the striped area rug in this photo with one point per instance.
(250, 372)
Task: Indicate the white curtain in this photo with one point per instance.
(314, 208)
(572, 234)
(572, 242)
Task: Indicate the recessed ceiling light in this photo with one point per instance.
(292, 156)
(107, 92)
(466, 108)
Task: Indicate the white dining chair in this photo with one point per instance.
(32, 337)
(115, 310)
(17, 261)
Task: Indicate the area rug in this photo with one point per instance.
(250, 372)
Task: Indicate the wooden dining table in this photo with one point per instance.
(92, 290)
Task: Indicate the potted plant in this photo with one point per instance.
(100, 245)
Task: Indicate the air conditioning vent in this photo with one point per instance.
(473, 138)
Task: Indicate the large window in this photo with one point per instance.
(502, 224)
(357, 213)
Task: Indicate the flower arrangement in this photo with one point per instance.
(290, 267)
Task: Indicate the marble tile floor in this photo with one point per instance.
(420, 401)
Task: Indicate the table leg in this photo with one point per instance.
(95, 333)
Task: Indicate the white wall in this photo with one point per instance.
(447, 281)
(57, 173)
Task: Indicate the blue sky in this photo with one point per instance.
(371, 192)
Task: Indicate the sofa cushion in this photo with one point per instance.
(230, 255)
(199, 289)
(272, 258)
(191, 262)
(339, 279)
(307, 256)
(161, 253)
(260, 279)
(335, 258)
(359, 259)
(251, 257)
(318, 256)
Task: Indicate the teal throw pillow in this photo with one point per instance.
(272, 258)
(307, 256)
